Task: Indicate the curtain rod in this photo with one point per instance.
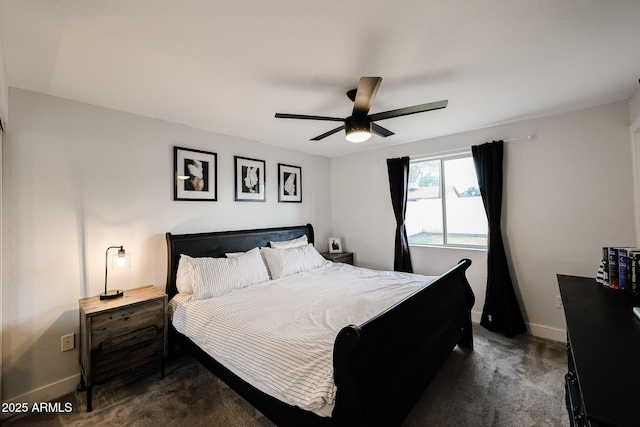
(530, 136)
(460, 150)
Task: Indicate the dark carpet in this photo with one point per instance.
(503, 382)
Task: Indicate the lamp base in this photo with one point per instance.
(112, 294)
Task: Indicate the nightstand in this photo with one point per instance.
(345, 257)
(120, 334)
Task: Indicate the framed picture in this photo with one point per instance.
(250, 180)
(289, 183)
(335, 245)
(195, 175)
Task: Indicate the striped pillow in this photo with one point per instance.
(284, 262)
(212, 277)
(183, 275)
(293, 243)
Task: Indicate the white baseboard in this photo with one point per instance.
(547, 332)
(476, 317)
(539, 331)
(46, 393)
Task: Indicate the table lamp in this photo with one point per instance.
(121, 262)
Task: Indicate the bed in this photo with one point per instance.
(380, 366)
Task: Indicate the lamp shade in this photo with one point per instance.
(121, 261)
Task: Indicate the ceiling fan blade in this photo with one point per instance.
(409, 110)
(380, 131)
(366, 93)
(305, 117)
(326, 134)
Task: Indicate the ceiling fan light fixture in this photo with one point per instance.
(357, 129)
(360, 125)
(357, 136)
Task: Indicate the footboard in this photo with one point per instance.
(383, 366)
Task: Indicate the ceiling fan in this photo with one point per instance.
(360, 124)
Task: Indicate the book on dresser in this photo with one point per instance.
(634, 271)
(612, 257)
(621, 268)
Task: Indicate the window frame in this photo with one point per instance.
(442, 158)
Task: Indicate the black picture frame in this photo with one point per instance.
(195, 175)
(250, 179)
(289, 183)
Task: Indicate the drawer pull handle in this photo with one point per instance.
(128, 340)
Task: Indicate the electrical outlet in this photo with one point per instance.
(559, 301)
(68, 342)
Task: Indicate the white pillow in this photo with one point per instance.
(213, 277)
(293, 243)
(183, 275)
(284, 262)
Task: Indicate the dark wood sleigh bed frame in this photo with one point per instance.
(381, 367)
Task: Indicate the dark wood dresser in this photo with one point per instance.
(603, 346)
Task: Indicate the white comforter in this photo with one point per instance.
(279, 335)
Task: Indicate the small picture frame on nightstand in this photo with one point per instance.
(335, 245)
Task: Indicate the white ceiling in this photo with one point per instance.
(229, 65)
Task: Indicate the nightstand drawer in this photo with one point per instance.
(131, 319)
(126, 337)
(112, 359)
(129, 340)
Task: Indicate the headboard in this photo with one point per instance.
(217, 244)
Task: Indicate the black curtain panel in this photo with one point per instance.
(398, 184)
(501, 312)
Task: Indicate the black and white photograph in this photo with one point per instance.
(195, 175)
(335, 245)
(249, 180)
(289, 183)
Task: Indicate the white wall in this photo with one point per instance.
(77, 179)
(4, 106)
(634, 106)
(634, 133)
(1, 327)
(4, 87)
(567, 192)
(4, 110)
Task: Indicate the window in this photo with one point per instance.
(444, 204)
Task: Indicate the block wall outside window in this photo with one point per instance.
(444, 203)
